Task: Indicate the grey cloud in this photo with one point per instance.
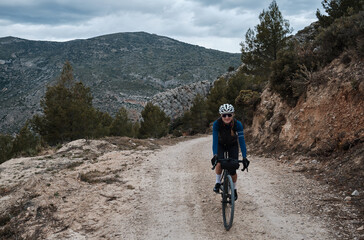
(233, 4)
(63, 12)
(206, 22)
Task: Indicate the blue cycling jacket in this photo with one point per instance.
(239, 131)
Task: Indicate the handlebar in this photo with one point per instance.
(225, 159)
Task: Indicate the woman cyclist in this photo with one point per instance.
(227, 135)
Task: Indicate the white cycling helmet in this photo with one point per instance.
(226, 108)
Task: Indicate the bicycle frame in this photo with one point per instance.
(227, 194)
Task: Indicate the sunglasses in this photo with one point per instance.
(227, 115)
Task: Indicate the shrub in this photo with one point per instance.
(283, 70)
(26, 143)
(344, 33)
(246, 103)
(6, 145)
(337, 9)
(293, 71)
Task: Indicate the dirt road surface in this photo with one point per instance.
(155, 194)
(177, 202)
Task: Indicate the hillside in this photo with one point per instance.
(123, 69)
(326, 126)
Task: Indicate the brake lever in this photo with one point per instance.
(214, 165)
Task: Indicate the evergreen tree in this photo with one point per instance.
(154, 123)
(67, 110)
(121, 126)
(262, 45)
(338, 8)
(102, 124)
(195, 120)
(216, 97)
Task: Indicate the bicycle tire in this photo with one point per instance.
(228, 202)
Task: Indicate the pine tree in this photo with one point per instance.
(121, 126)
(338, 8)
(262, 45)
(102, 124)
(195, 120)
(67, 110)
(216, 97)
(155, 122)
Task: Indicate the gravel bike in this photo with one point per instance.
(227, 191)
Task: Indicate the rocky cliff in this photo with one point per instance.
(323, 135)
(176, 101)
(328, 117)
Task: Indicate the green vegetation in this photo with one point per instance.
(262, 44)
(243, 88)
(68, 115)
(26, 143)
(246, 103)
(121, 64)
(5, 147)
(68, 111)
(337, 9)
(227, 91)
(344, 33)
(195, 120)
(268, 56)
(342, 30)
(240, 90)
(154, 123)
(121, 126)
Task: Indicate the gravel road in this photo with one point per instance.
(148, 193)
(176, 200)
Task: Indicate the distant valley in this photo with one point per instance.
(122, 69)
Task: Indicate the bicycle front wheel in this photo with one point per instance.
(228, 202)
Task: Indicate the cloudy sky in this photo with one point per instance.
(212, 24)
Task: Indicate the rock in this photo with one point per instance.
(355, 193)
(314, 161)
(360, 228)
(347, 199)
(175, 102)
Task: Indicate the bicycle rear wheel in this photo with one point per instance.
(228, 202)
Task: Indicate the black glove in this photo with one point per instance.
(245, 164)
(213, 160)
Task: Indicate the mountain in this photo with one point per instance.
(122, 69)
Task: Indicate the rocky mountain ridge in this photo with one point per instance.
(123, 69)
(176, 101)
